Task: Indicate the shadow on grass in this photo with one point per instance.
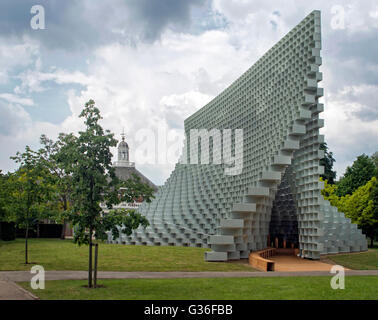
(99, 286)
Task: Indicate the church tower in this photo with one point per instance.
(124, 169)
(123, 154)
(123, 150)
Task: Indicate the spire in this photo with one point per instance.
(123, 134)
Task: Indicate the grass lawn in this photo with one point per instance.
(285, 288)
(358, 261)
(55, 254)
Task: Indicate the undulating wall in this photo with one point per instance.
(276, 105)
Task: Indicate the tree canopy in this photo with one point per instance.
(362, 170)
(54, 156)
(327, 162)
(29, 191)
(87, 159)
(361, 206)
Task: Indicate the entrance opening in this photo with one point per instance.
(283, 228)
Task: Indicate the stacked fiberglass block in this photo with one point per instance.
(276, 104)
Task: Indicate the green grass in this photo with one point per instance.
(358, 261)
(55, 254)
(289, 288)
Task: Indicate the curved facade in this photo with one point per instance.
(275, 106)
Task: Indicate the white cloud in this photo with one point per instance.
(17, 130)
(15, 53)
(161, 83)
(348, 135)
(32, 79)
(179, 107)
(156, 85)
(12, 98)
(14, 119)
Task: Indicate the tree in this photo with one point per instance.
(361, 206)
(94, 183)
(29, 192)
(328, 162)
(362, 170)
(53, 155)
(329, 193)
(3, 196)
(7, 231)
(374, 157)
(374, 198)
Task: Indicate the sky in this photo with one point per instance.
(149, 64)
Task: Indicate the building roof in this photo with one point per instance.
(123, 144)
(125, 173)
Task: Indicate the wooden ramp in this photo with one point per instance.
(272, 259)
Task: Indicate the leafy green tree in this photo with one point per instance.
(328, 162)
(374, 157)
(329, 193)
(374, 198)
(53, 155)
(94, 183)
(361, 206)
(29, 191)
(362, 170)
(5, 229)
(3, 196)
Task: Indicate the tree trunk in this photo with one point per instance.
(26, 243)
(26, 235)
(95, 265)
(38, 229)
(63, 234)
(90, 260)
(372, 241)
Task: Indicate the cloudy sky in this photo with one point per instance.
(149, 64)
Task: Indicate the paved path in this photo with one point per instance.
(11, 291)
(77, 275)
